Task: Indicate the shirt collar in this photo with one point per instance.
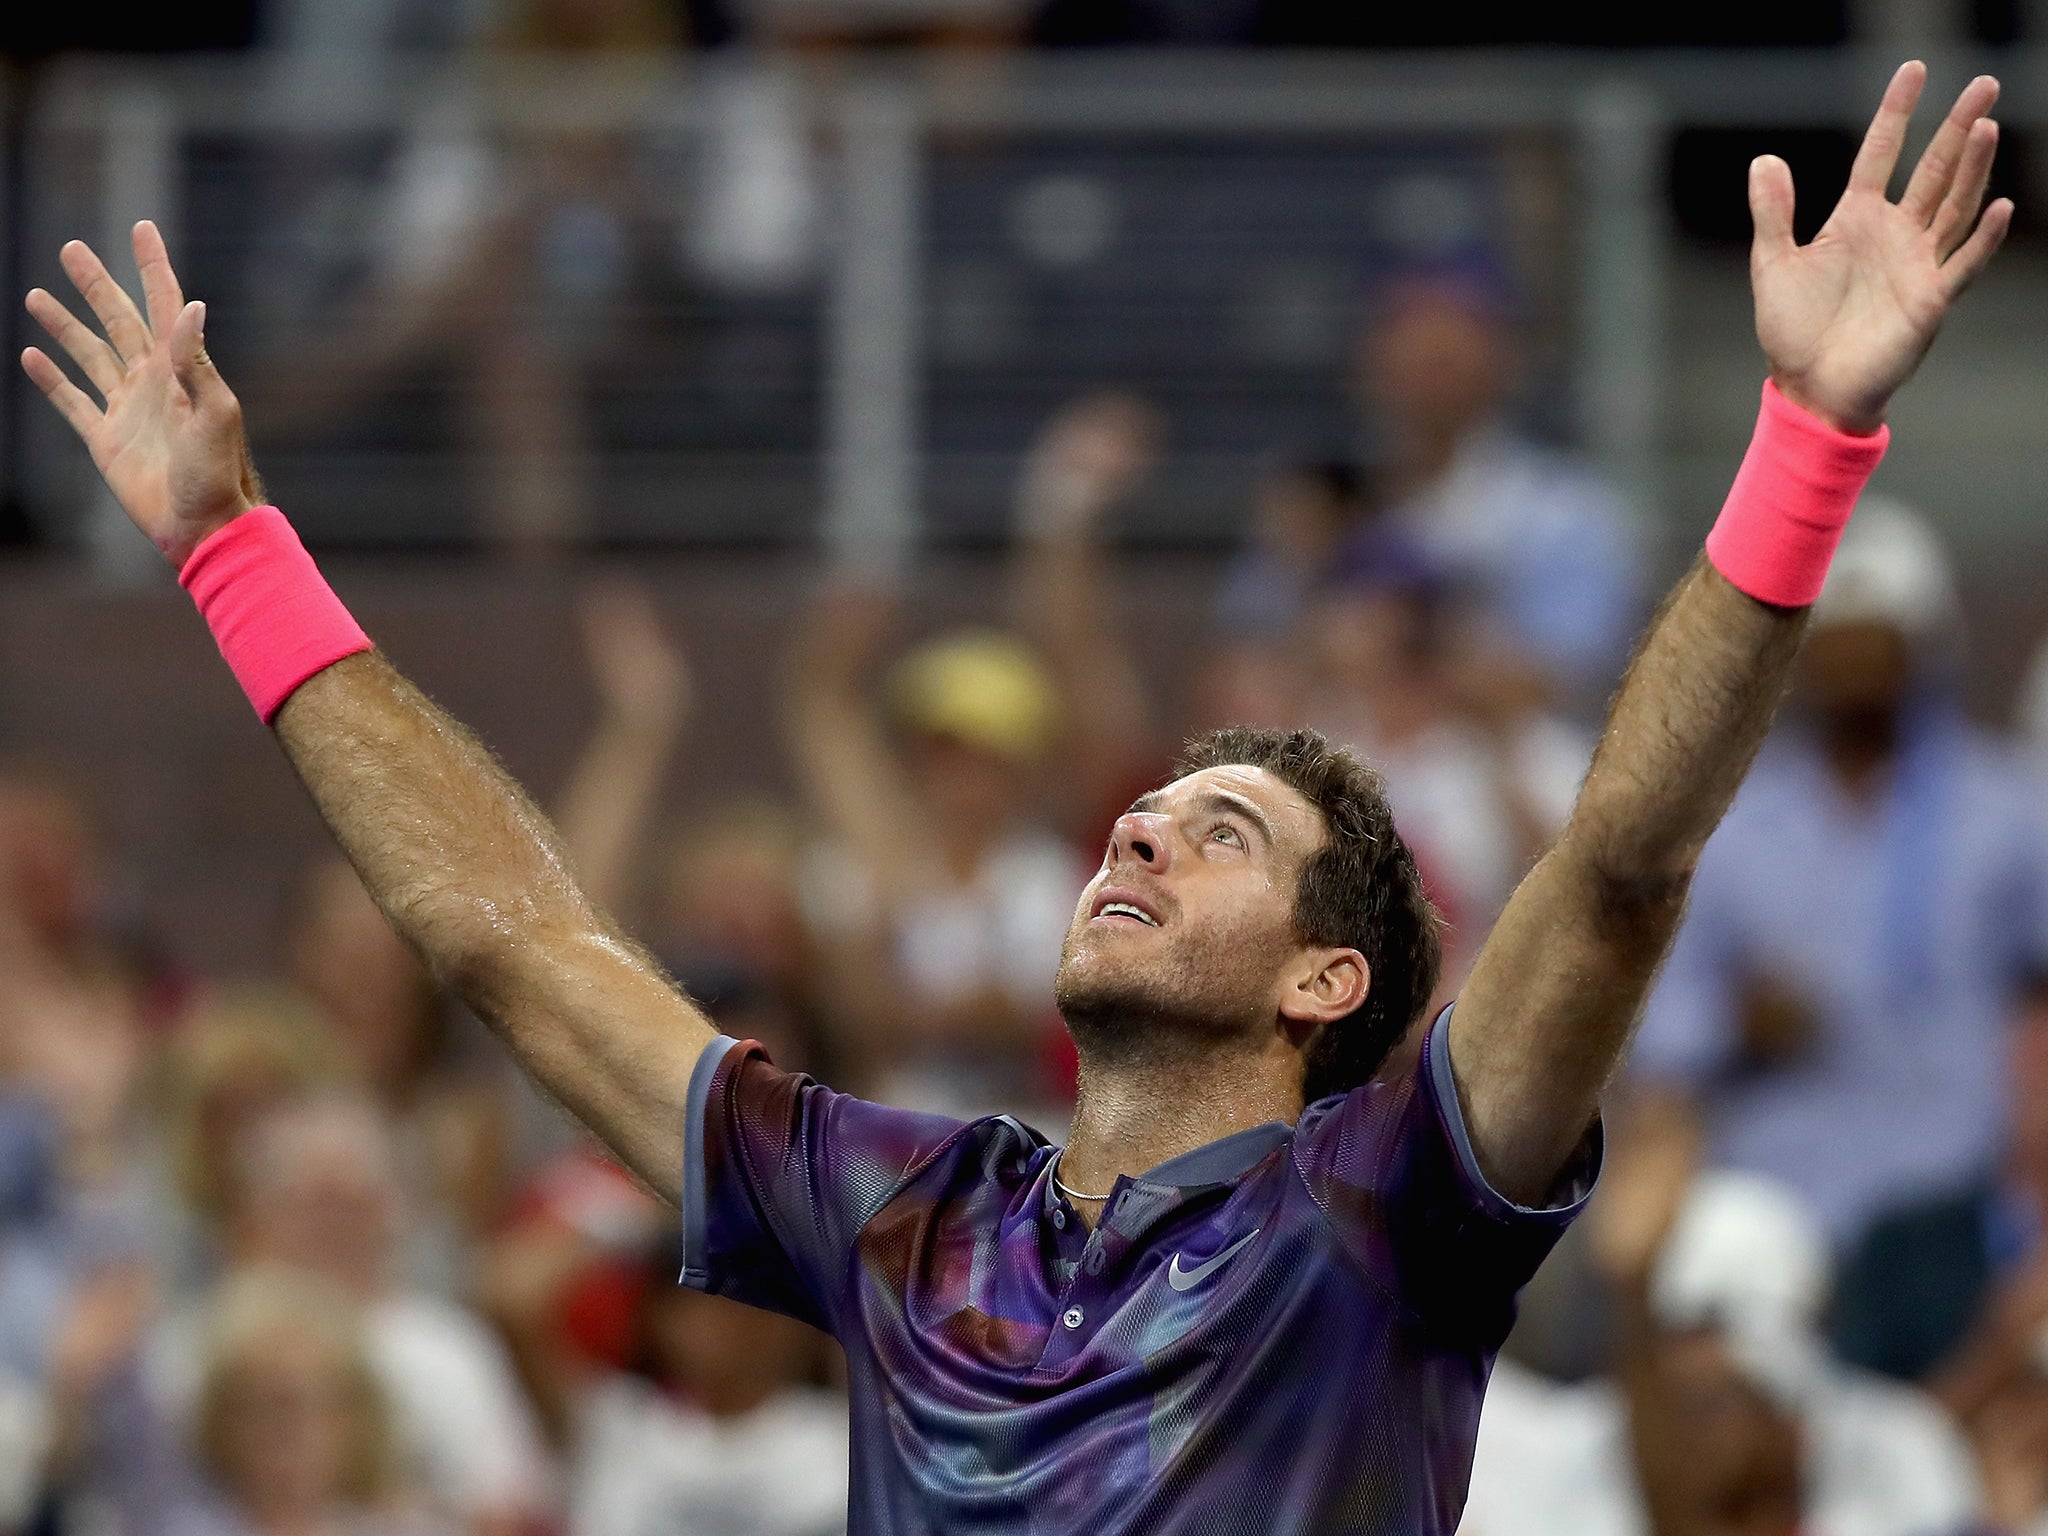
(1213, 1163)
(1218, 1162)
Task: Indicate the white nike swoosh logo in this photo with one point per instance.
(1186, 1279)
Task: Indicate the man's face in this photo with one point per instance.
(1189, 924)
(1436, 363)
(329, 1206)
(1856, 671)
(1742, 1450)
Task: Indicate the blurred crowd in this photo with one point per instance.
(296, 1254)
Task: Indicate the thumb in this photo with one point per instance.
(195, 372)
(1770, 208)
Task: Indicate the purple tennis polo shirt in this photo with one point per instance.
(1285, 1331)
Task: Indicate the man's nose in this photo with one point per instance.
(1139, 837)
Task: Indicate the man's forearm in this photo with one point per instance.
(1691, 713)
(462, 863)
(468, 870)
(1560, 980)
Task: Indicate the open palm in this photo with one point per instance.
(1846, 318)
(168, 438)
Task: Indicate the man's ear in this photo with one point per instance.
(1327, 985)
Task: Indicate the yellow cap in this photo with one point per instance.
(977, 686)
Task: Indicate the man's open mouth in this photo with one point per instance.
(1120, 906)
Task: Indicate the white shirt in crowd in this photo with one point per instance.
(464, 1428)
(1882, 1460)
(1000, 930)
(650, 1465)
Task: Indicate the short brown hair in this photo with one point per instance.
(1361, 890)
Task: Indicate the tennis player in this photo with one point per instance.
(1261, 1287)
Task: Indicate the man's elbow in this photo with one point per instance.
(486, 952)
(1641, 908)
(1638, 903)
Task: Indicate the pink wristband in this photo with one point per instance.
(1790, 502)
(274, 617)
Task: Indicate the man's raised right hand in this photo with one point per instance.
(168, 439)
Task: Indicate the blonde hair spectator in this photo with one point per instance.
(288, 1395)
(252, 1048)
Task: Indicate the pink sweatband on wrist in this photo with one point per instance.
(274, 617)
(1790, 502)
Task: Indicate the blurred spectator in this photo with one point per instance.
(521, 255)
(1727, 1414)
(1301, 513)
(80, 1180)
(1088, 461)
(1965, 1273)
(50, 877)
(319, 1193)
(59, 922)
(246, 1053)
(948, 892)
(2009, 1432)
(1544, 543)
(458, 1111)
(1479, 786)
(1838, 1000)
(34, 1260)
(1240, 684)
(36, 1280)
(712, 1425)
(942, 899)
(423, 1060)
(729, 922)
(1255, 673)
(290, 1429)
(1954, 1292)
(78, 1049)
(750, 1447)
(725, 914)
(645, 692)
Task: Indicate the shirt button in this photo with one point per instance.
(1059, 1219)
(1072, 1317)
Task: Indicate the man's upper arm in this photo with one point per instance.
(1544, 1019)
(596, 1023)
(1542, 1022)
(781, 1174)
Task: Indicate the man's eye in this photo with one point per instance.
(1227, 834)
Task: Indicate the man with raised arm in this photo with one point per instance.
(1261, 1287)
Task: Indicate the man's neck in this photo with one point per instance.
(1132, 1116)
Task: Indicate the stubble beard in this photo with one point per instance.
(1187, 1001)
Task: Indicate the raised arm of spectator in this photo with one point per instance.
(1632, 1217)
(643, 690)
(844, 760)
(1844, 321)
(1091, 456)
(462, 863)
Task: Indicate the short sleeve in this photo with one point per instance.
(780, 1174)
(1393, 1167)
